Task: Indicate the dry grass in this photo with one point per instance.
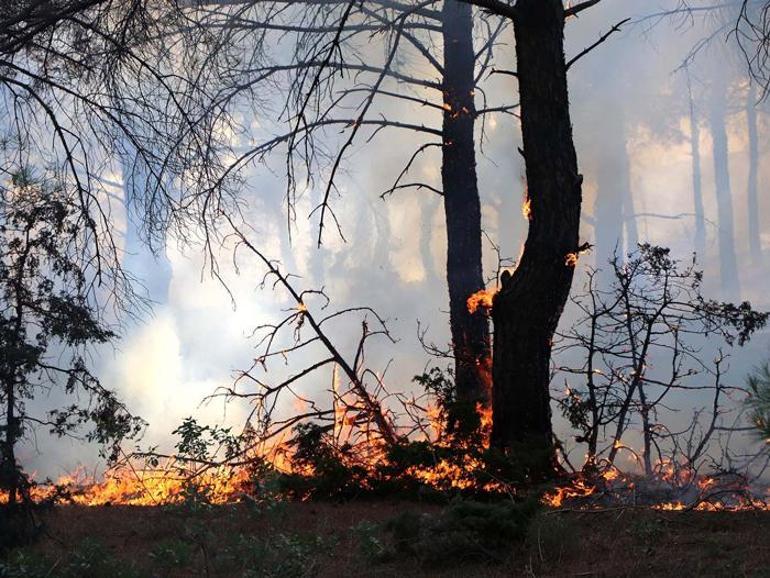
(628, 542)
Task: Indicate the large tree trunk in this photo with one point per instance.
(697, 183)
(470, 332)
(727, 256)
(527, 309)
(755, 240)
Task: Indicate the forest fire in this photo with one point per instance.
(684, 491)
(481, 299)
(135, 483)
(129, 486)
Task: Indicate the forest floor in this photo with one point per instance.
(324, 539)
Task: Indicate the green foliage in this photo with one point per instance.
(370, 543)
(759, 400)
(89, 559)
(50, 315)
(644, 329)
(332, 472)
(172, 553)
(464, 531)
(199, 443)
(552, 537)
(459, 418)
(281, 555)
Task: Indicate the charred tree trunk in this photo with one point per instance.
(462, 208)
(755, 240)
(527, 309)
(697, 180)
(727, 256)
(9, 471)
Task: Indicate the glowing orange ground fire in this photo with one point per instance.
(610, 488)
(133, 486)
(613, 488)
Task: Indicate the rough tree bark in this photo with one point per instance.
(9, 473)
(462, 208)
(527, 309)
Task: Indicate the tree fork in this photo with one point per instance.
(526, 311)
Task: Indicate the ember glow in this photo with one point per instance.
(670, 489)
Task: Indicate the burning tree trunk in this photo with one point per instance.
(527, 309)
(470, 331)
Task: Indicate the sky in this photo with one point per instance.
(198, 334)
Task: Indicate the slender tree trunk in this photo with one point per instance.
(527, 309)
(470, 332)
(727, 256)
(755, 241)
(10, 473)
(629, 210)
(611, 208)
(697, 183)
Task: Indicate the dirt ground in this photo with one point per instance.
(622, 542)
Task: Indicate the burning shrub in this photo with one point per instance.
(644, 339)
(321, 469)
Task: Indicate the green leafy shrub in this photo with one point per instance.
(172, 553)
(464, 531)
(90, 559)
(333, 473)
(759, 400)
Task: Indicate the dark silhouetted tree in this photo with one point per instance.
(49, 314)
(529, 305)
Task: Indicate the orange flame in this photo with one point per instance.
(526, 208)
(480, 299)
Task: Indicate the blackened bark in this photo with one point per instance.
(727, 256)
(527, 309)
(9, 471)
(755, 241)
(462, 208)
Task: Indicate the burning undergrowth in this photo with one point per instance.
(647, 340)
(669, 489)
